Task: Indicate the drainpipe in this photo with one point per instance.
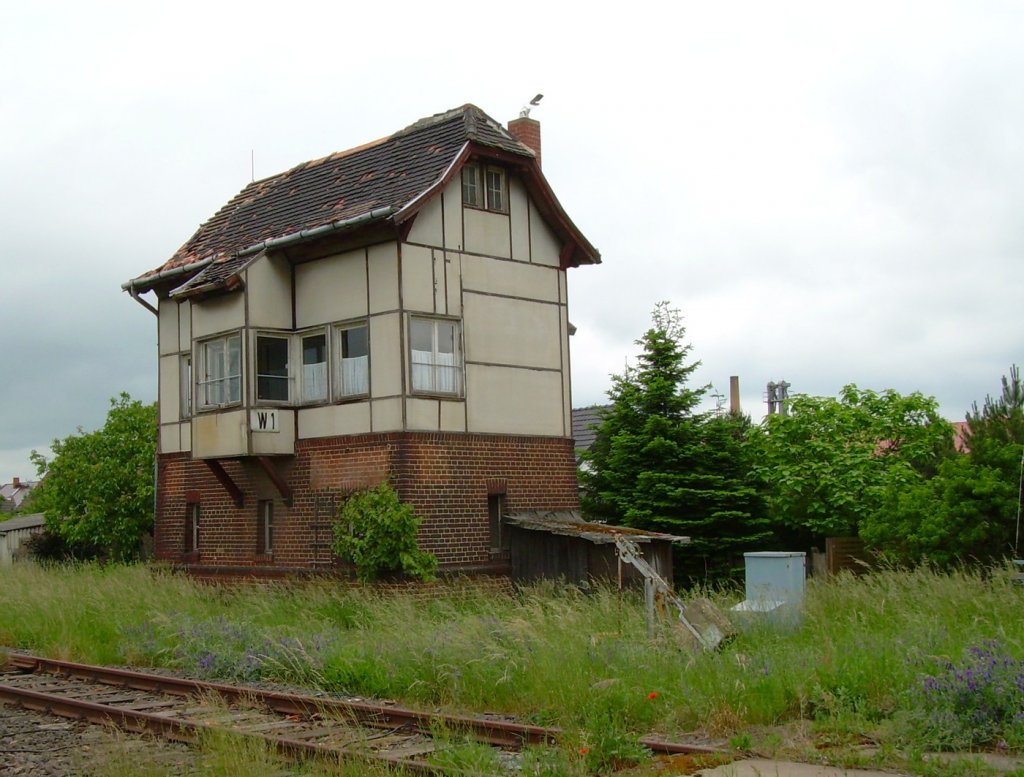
(132, 287)
(135, 296)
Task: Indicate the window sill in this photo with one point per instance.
(483, 209)
(216, 408)
(347, 398)
(424, 394)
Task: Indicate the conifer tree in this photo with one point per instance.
(659, 463)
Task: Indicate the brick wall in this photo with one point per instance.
(445, 477)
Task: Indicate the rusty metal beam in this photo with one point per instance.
(225, 480)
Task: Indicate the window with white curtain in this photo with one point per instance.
(220, 371)
(435, 356)
(314, 367)
(352, 346)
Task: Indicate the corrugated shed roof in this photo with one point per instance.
(368, 183)
(571, 524)
(29, 521)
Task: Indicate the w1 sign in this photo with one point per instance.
(263, 421)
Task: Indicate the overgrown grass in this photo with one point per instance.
(853, 666)
(220, 753)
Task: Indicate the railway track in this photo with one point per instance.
(295, 725)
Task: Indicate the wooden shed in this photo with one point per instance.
(561, 544)
(15, 531)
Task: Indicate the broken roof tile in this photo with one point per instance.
(369, 182)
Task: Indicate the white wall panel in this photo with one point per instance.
(487, 233)
(383, 268)
(545, 247)
(268, 283)
(331, 289)
(514, 401)
(417, 279)
(218, 314)
(334, 420)
(167, 326)
(519, 213)
(422, 414)
(512, 279)
(427, 226)
(385, 355)
(511, 331)
(170, 388)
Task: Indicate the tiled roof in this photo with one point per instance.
(350, 188)
(14, 494)
(585, 421)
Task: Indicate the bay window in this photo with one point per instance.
(353, 360)
(314, 367)
(221, 370)
(272, 380)
(435, 355)
(185, 385)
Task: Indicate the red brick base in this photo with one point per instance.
(447, 478)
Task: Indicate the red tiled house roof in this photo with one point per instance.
(384, 183)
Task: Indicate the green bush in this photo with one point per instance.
(377, 533)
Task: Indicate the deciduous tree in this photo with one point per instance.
(97, 490)
(969, 508)
(827, 465)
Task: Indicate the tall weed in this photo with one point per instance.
(550, 654)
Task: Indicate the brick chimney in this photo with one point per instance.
(16, 483)
(734, 394)
(526, 131)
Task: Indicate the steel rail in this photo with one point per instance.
(190, 731)
(495, 732)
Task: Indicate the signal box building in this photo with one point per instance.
(393, 312)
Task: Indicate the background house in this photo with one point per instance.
(15, 493)
(397, 311)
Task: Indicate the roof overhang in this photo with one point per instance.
(576, 249)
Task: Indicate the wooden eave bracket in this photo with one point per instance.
(225, 480)
(565, 257)
(267, 465)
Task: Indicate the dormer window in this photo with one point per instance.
(472, 192)
(495, 189)
(484, 186)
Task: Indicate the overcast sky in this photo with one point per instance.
(830, 193)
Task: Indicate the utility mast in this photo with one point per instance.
(778, 398)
